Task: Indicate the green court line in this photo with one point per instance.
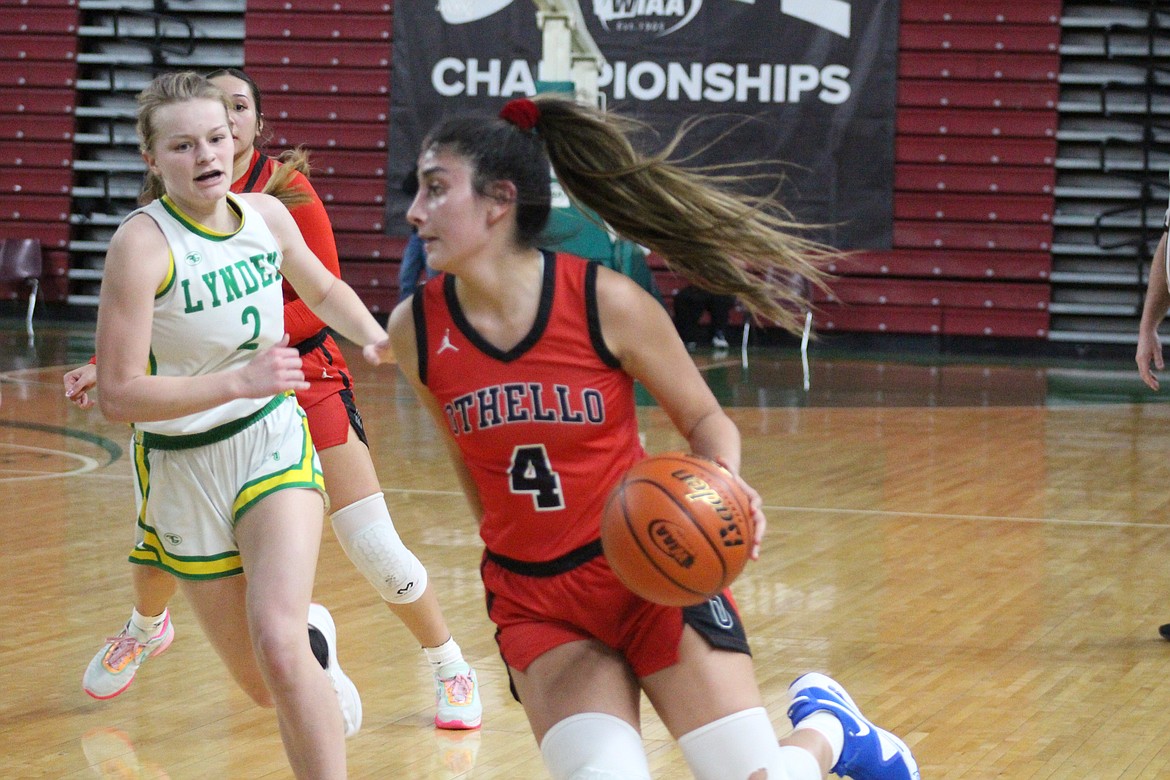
(112, 449)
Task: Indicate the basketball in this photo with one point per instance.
(677, 529)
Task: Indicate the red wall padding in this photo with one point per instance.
(334, 100)
(38, 75)
(974, 177)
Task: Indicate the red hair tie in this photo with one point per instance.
(521, 112)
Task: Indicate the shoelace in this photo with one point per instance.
(125, 649)
(459, 688)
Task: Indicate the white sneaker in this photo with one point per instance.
(457, 702)
(347, 693)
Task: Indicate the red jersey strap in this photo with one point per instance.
(258, 161)
(418, 312)
(446, 283)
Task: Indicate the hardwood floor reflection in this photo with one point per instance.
(984, 572)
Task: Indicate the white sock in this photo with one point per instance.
(446, 660)
(828, 726)
(144, 626)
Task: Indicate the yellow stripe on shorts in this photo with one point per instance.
(152, 553)
(303, 474)
(210, 567)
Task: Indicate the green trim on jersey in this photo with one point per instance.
(159, 441)
(198, 229)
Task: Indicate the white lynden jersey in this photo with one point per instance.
(220, 304)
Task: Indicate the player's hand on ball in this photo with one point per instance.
(759, 522)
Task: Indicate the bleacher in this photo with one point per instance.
(336, 102)
(1032, 142)
(974, 179)
(38, 73)
(1111, 167)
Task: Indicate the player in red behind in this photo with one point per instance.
(526, 360)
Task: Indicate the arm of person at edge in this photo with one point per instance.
(405, 348)
(78, 382)
(299, 321)
(639, 332)
(1149, 346)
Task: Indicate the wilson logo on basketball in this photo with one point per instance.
(731, 530)
(667, 540)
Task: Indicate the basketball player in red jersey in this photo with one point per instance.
(526, 360)
(360, 515)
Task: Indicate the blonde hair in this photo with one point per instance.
(167, 90)
(281, 185)
(697, 219)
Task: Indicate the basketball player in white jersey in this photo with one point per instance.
(192, 353)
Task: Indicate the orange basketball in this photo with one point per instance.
(677, 529)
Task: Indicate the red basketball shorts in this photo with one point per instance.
(535, 614)
(328, 403)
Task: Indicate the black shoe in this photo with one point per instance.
(1164, 630)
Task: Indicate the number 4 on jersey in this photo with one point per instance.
(531, 473)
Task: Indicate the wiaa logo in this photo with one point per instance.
(662, 16)
(667, 538)
(657, 15)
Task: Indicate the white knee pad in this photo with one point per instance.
(734, 746)
(594, 746)
(367, 535)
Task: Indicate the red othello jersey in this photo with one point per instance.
(548, 427)
(299, 322)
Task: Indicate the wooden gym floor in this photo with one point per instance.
(978, 552)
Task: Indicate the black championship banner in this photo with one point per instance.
(807, 86)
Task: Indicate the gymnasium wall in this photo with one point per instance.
(974, 172)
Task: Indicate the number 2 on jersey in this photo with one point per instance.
(251, 313)
(530, 472)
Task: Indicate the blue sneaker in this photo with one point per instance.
(870, 753)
